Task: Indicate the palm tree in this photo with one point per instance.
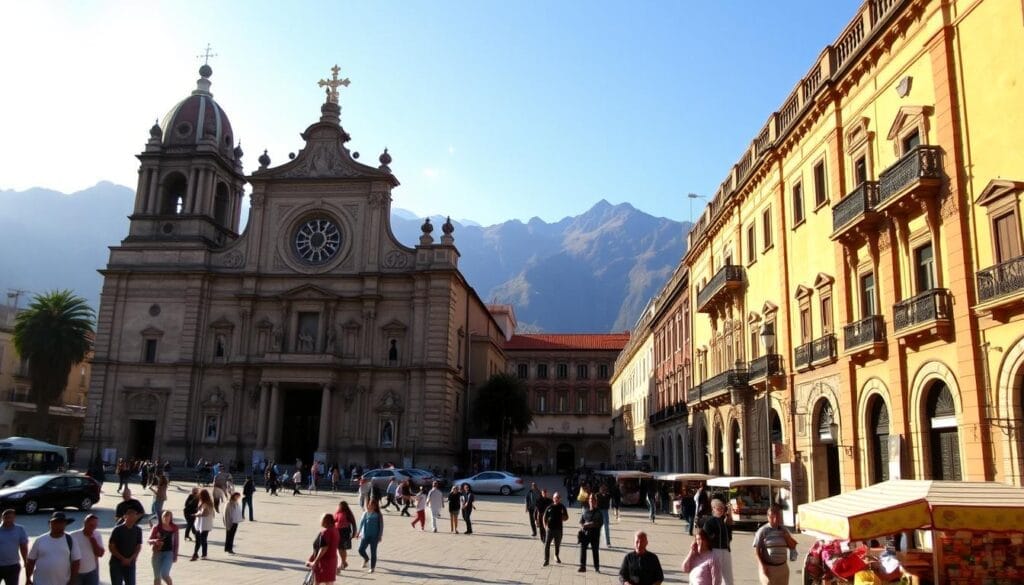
(53, 334)
(503, 408)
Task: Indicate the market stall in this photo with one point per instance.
(681, 485)
(749, 497)
(969, 532)
(630, 485)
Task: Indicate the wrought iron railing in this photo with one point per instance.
(1002, 279)
(764, 366)
(728, 273)
(855, 204)
(865, 331)
(822, 348)
(923, 162)
(728, 381)
(931, 305)
(802, 355)
(670, 412)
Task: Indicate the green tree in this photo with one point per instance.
(53, 334)
(503, 409)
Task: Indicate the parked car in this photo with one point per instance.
(493, 482)
(422, 478)
(55, 490)
(381, 477)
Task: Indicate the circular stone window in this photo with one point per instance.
(183, 129)
(154, 310)
(317, 240)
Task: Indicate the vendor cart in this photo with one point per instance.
(631, 485)
(749, 497)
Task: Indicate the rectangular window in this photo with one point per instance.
(860, 171)
(602, 371)
(805, 324)
(867, 295)
(150, 357)
(562, 371)
(820, 186)
(798, 204)
(542, 402)
(751, 243)
(754, 334)
(305, 340)
(523, 371)
(542, 371)
(911, 141)
(602, 403)
(563, 402)
(924, 268)
(1006, 228)
(582, 372)
(581, 403)
(766, 228)
(826, 315)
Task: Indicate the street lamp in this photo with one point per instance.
(768, 341)
(691, 197)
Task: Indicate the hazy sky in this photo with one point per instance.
(491, 110)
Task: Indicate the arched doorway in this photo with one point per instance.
(826, 453)
(736, 442)
(719, 450)
(701, 451)
(661, 454)
(565, 458)
(943, 437)
(669, 456)
(680, 463)
(774, 436)
(878, 440)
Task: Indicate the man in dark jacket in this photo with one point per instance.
(531, 506)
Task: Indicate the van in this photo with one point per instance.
(22, 458)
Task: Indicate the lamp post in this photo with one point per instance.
(768, 341)
(691, 197)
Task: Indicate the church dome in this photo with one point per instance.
(198, 119)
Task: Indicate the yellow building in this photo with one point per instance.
(632, 388)
(873, 229)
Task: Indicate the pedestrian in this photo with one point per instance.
(718, 530)
(421, 510)
(466, 504)
(702, 504)
(604, 505)
(435, 500)
(221, 487)
(248, 491)
(125, 544)
(204, 523)
(296, 482)
(590, 534)
(371, 533)
(405, 497)
(689, 507)
(191, 506)
(54, 557)
(127, 502)
(701, 563)
(233, 516)
(543, 501)
(335, 479)
(531, 506)
(454, 503)
(651, 504)
(90, 546)
(324, 560)
(617, 500)
(124, 470)
(365, 491)
(583, 497)
(771, 544)
(159, 489)
(345, 522)
(314, 476)
(555, 516)
(163, 539)
(13, 541)
(273, 482)
(640, 566)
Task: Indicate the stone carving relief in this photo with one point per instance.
(379, 199)
(390, 402)
(319, 160)
(143, 403)
(397, 259)
(234, 259)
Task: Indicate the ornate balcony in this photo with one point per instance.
(930, 309)
(1001, 284)
(918, 171)
(729, 386)
(766, 366)
(856, 207)
(669, 413)
(729, 278)
(818, 352)
(864, 335)
(802, 356)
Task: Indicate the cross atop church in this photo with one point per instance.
(333, 84)
(205, 56)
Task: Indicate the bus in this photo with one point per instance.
(22, 458)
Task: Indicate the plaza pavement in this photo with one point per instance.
(500, 550)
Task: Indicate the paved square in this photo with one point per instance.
(500, 550)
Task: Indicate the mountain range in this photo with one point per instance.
(593, 272)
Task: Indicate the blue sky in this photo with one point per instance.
(491, 110)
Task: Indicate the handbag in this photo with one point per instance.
(581, 536)
(309, 578)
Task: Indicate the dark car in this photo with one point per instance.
(55, 490)
(422, 478)
(381, 477)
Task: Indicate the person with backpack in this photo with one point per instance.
(54, 557)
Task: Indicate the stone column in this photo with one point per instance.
(273, 422)
(261, 423)
(325, 418)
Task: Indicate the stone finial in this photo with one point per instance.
(264, 160)
(385, 160)
(447, 228)
(155, 133)
(333, 84)
(239, 152)
(426, 239)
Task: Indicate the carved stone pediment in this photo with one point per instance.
(214, 401)
(222, 323)
(823, 280)
(997, 189)
(802, 292)
(390, 402)
(308, 292)
(151, 332)
(394, 326)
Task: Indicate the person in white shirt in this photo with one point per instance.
(54, 556)
(421, 510)
(436, 500)
(90, 545)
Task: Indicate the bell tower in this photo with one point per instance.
(190, 177)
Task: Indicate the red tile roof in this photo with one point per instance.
(568, 341)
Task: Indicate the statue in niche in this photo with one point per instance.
(330, 341)
(393, 352)
(387, 434)
(276, 339)
(220, 346)
(305, 342)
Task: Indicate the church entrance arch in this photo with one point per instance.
(565, 458)
(141, 436)
(301, 424)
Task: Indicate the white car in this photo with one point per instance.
(493, 482)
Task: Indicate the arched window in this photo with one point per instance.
(173, 200)
(720, 449)
(944, 440)
(878, 438)
(736, 441)
(703, 453)
(220, 205)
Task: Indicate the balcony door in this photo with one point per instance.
(867, 295)
(1006, 228)
(924, 268)
(878, 436)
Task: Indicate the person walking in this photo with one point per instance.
(689, 509)
(124, 471)
(125, 544)
(90, 545)
(335, 479)
(324, 560)
(191, 506)
(405, 497)
(543, 501)
(370, 533)
(466, 504)
(531, 506)
(421, 510)
(159, 489)
(701, 563)
(127, 502)
(163, 539)
(204, 523)
(640, 566)
(13, 541)
(771, 544)
(454, 503)
(555, 516)
(435, 500)
(233, 516)
(296, 482)
(718, 530)
(702, 504)
(248, 491)
(345, 522)
(54, 557)
(365, 492)
(617, 499)
(590, 534)
(651, 504)
(604, 505)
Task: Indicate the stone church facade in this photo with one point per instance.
(313, 333)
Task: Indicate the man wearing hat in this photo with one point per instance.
(54, 557)
(125, 545)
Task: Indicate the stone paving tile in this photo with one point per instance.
(500, 550)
